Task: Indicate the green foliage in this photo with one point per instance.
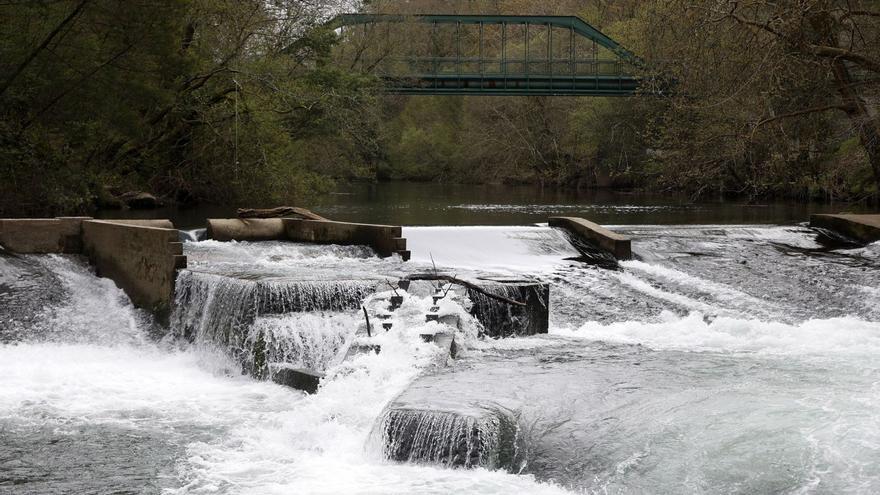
(726, 128)
(252, 101)
(218, 100)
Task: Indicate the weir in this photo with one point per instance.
(862, 228)
(293, 321)
(302, 323)
(636, 357)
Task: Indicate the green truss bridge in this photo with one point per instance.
(489, 55)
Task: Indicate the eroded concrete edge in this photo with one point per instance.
(865, 228)
(611, 242)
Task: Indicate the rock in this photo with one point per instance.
(300, 379)
(108, 201)
(141, 200)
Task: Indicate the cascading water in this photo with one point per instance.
(95, 405)
(485, 439)
(236, 315)
(303, 340)
(723, 360)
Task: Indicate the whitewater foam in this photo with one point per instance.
(695, 332)
(504, 250)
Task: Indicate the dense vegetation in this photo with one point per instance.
(253, 101)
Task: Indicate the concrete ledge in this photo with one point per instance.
(141, 260)
(617, 245)
(385, 239)
(865, 228)
(42, 235)
(249, 229)
(159, 224)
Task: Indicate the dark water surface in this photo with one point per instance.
(407, 203)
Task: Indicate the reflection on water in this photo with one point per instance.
(406, 203)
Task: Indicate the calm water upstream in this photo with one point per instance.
(735, 354)
(401, 203)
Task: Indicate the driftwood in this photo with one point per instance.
(464, 283)
(367, 317)
(279, 212)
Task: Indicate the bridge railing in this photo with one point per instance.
(530, 55)
(399, 66)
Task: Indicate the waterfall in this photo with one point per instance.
(486, 438)
(303, 340)
(258, 322)
(500, 319)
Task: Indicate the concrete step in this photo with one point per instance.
(300, 379)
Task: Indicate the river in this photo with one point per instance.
(735, 354)
(407, 203)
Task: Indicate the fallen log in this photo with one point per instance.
(463, 283)
(279, 212)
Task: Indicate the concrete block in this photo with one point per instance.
(41, 235)
(399, 243)
(864, 228)
(615, 244)
(385, 239)
(140, 260)
(301, 379)
(175, 248)
(157, 223)
(72, 231)
(246, 229)
(180, 262)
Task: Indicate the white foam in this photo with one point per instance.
(646, 288)
(720, 292)
(508, 250)
(305, 340)
(95, 310)
(264, 438)
(318, 444)
(272, 254)
(835, 336)
(240, 436)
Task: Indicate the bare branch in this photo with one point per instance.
(805, 111)
(36, 51)
(464, 283)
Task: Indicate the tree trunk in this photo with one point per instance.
(279, 212)
(863, 117)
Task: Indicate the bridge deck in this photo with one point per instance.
(513, 84)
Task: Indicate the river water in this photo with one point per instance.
(405, 203)
(734, 355)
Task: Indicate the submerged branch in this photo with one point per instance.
(464, 283)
